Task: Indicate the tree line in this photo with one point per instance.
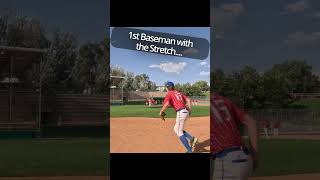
(270, 89)
(142, 82)
(66, 66)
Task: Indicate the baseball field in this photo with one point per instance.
(58, 158)
(293, 158)
(292, 155)
(138, 129)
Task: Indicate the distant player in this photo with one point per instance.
(150, 102)
(177, 100)
(265, 127)
(232, 160)
(276, 126)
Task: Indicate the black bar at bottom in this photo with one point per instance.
(167, 166)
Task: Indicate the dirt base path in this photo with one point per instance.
(315, 176)
(58, 178)
(151, 135)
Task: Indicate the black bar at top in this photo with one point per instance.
(160, 13)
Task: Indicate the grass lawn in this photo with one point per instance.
(54, 157)
(308, 103)
(283, 157)
(145, 111)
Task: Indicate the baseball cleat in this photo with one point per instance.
(193, 142)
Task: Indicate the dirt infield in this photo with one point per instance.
(58, 178)
(315, 176)
(151, 135)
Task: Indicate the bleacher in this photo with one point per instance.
(60, 110)
(23, 111)
(78, 110)
(138, 95)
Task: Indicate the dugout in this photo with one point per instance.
(117, 96)
(20, 89)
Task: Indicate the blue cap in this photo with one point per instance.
(169, 84)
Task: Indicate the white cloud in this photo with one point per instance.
(223, 17)
(297, 7)
(204, 73)
(170, 67)
(300, 38)
(203, 63)
(316, 14)
(235, 8)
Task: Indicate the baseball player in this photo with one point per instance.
(232, 160)
(265, 126)
(149, 102)
(177, 100)
(276, 126)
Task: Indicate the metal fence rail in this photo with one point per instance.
(290, 119)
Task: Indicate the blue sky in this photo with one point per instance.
(263, 33)
(161, 68)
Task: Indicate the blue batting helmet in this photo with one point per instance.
(169, 84)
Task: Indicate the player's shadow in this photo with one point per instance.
(200, 147)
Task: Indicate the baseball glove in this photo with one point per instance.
(162, 116)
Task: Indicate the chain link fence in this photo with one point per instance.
(200, 100)
(291, 120)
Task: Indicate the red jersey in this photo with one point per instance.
(225, 120)
(276, 124)
(264, 124)
(176, 99)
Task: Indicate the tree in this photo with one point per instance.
(141, 82)
(196, 90)
(218, 81)
(20, 31)
(247, 84)
(56, 69)
(178, 87)
(128, 83)
(153, 86)
(103, 71)
(88, 66)
(202, 85)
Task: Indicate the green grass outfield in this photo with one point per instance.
(54, 157)
(283, 157)
(145, 111)
(308, 103)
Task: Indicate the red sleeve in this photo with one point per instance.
(184, 96)
(238, 113)
(167, 98)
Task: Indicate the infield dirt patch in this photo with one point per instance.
(151, 135)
